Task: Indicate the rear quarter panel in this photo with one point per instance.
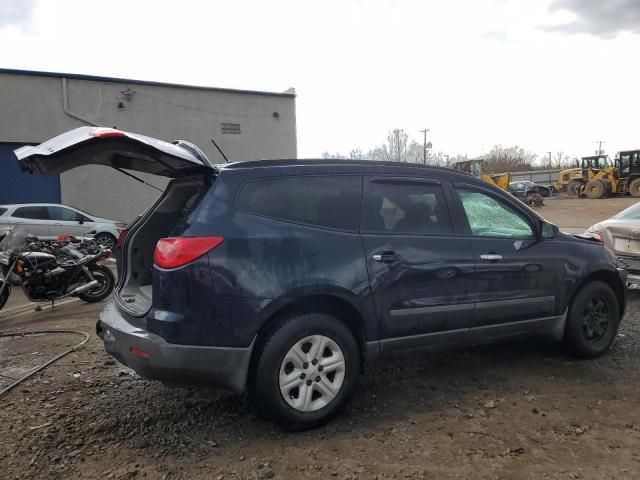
(262, 265)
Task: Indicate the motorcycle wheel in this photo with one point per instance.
(107, 281)
(5, 296)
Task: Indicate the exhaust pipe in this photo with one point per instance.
(82, 288)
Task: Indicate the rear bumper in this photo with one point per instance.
(156, 359)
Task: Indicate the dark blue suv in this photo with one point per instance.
(283, 277)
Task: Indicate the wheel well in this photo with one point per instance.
(327, 304)
(610, 278)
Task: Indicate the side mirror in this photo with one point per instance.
(80, 220)
(548, 230)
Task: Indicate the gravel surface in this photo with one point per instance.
(518, 410)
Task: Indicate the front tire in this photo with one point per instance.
(305, 371)
(107, 281)
(595, 189)
(592, 321)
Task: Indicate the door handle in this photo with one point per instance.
(492, 257)
(385, 257)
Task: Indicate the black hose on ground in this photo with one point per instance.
(49, 362)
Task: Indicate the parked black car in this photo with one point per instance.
(526, 186)
(281, 278)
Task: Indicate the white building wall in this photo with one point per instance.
(33, 110)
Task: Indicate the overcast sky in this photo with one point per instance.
(541, 74)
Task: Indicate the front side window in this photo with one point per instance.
(32, 213)
(326, 201)
(489, 217)
(624, 165)
(63, 214)
(406, 208)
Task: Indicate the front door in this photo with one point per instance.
(518, 274)
(64, 221)
(420, 271)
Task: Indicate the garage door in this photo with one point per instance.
(19, 187)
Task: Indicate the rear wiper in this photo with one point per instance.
(137, 178)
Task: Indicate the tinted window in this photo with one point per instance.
(332, 202)
(2, 210)
(64, 214)
(405, 208)
(33, 213)
(489, 217)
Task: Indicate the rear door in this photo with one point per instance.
(518, 275)
(34, 218)
(116, 149)
(421, 273)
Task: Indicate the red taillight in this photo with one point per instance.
(106, 133)
(122, 237)
(178, 251)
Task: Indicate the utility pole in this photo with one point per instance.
(424, 148)
(549, 159)
(600, 151)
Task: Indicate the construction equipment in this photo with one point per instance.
(565, 176)
(501, 180)
(600, 178)
(592, 182)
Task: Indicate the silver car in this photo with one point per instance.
(48, 221)
(621, 235)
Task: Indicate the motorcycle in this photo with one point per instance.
(45, 276)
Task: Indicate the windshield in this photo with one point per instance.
(631, 213)
(15, 239)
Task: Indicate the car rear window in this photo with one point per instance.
(326, 201)
(34, 213)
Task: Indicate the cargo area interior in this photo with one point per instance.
(176, 203)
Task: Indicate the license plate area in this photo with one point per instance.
(623, 245)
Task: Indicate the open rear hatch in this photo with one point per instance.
(113, 148)
(183, 161)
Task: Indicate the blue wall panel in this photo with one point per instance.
(17, 186)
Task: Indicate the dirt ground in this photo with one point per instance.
(521, 410)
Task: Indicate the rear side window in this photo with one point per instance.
(2, 210)
(33, 213)
(406, 208)
(325, 201)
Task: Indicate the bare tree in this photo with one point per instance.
(509, 159)
(397, 144)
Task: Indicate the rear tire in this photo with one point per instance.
(305, 371)
(634, 188)
(595, 189)
(592, 321)
(573, 188)
(107, 281)
(5, 295)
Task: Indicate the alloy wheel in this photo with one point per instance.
(312, 373)
(595, 320)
